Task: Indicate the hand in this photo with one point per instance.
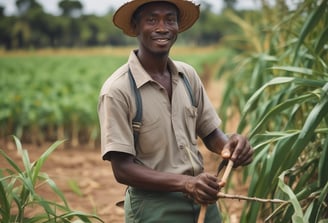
(238, 149)
(203, 188)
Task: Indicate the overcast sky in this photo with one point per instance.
(101, 7)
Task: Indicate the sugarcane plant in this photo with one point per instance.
(283, 108)
(18, 191)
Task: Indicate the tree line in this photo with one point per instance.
(33, 28)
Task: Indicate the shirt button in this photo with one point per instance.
(181, 147)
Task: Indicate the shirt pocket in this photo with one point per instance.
(150, 136)
(190, 123)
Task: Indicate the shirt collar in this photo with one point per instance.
(141, 76)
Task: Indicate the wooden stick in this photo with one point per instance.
(223, 181)
(201, 217)
(227, 172)
(241, 197)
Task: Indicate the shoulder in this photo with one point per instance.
(189, 71)
(117, 81)
(184, 67)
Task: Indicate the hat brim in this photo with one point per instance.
(188, 14)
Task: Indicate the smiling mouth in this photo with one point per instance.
(162, 40)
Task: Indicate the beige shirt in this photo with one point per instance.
(168, 135)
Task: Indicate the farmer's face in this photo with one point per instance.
(156, 26)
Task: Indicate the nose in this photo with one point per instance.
(161, 26)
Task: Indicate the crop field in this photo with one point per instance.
(51, 95)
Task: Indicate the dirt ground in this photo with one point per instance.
(98, 191)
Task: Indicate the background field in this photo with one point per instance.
(53, 95)
(49, 93)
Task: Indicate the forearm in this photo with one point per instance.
(128, 172)
(203, 188)
(215, 141)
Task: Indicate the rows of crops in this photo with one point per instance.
(51, 94)
(47, 96)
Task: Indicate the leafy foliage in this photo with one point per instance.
(51, 97)
(18, 190)
(48, 99)
(283, 56)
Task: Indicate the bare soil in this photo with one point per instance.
(89, 185)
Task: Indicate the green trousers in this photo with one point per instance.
(148, 206)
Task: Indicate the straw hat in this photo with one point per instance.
(188, 14)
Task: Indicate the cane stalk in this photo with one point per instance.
(245, 198)
(223, 181)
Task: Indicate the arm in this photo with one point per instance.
(202, 188)
(236, 148)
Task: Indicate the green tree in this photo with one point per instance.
(71, 8)
(230, 4)
(72, 29)
(2, 12)
(24, 6)
(6, 24)
(28, 31)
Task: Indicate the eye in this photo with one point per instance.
(151, 20)
(171, 20)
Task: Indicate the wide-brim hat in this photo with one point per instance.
(188, 14)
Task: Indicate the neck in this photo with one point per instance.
(154, 64)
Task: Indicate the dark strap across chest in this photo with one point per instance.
(137, 120)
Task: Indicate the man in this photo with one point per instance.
(162, 165)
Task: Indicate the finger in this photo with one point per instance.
(221, 184)
(208, 199)
(203, 197)
(211, 187)
(229, 147)
(207, 183)
(226, 152)
(247, 161)
(246, 156)
(210, 177)
(245, 153)
(238, 150)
